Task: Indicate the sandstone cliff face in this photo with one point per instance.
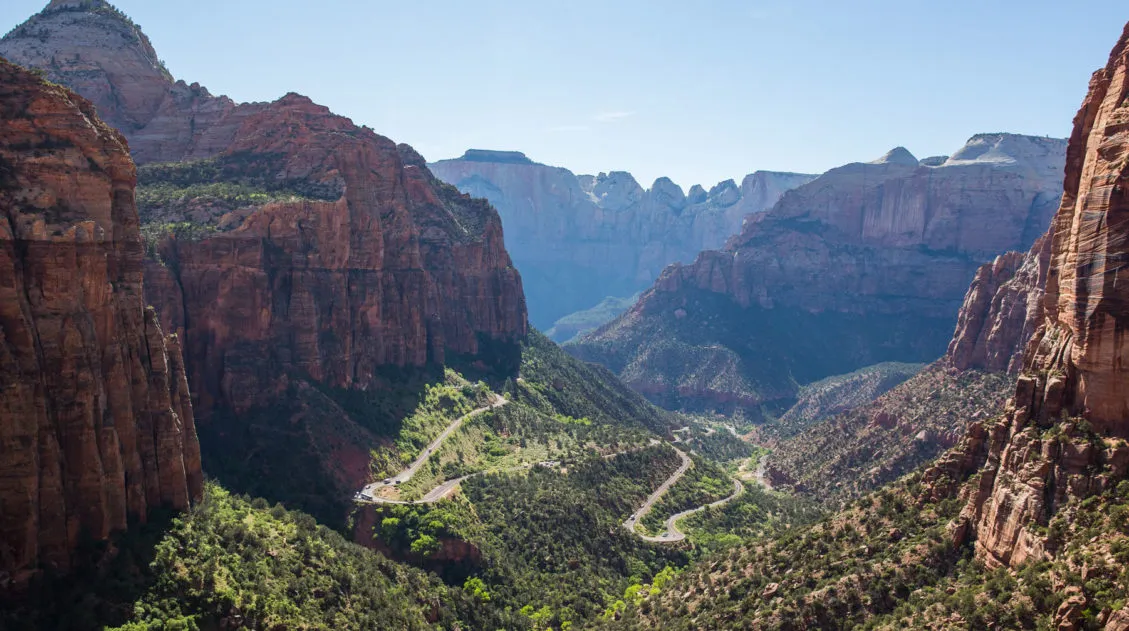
(1062, 436)
(580, 239)
(96, 426)
(1002, 310)
(397, 271)
(357, 259)
(868, 263)
(305, 262)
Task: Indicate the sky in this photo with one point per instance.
(696, 91)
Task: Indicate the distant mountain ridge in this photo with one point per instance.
(578, 239)
(868, 263)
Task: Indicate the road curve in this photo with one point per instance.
(674, 534)
(368, 493)
(657, 495)
(671, 532)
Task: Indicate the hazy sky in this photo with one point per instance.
(699, 91)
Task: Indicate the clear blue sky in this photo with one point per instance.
(698, 91)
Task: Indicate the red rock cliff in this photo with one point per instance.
(1074, 381)
(1001, 311)
(307, 263)
(371, 263)
(96, 427)
(395, 269)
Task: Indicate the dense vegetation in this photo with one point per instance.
(887, 562)
(233, 563)
(719, 445)
(703, 483)
(515, 435)
(553, 382)
(833, 575)
(860, 450)
(551, 543)
(755, 514)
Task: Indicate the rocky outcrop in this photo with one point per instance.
(868, 263)
(578, 240)
(1062, 435)
(1001, 311)
(96, 425)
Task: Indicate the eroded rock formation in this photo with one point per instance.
(868, 263)
(1002, 310)
(343, 255)
(580, 239)
(96, 425)
(1062, 435)
(308, 264)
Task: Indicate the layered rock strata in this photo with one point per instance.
(1062, 438)
(580, 239)
(96, 425)
(868, 263)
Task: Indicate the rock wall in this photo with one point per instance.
(580, 239)
(1062, 435)
(96, 425)
(367, 262)
(868, 263)
(397, 271)
(1001, 311)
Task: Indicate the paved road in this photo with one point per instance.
(671, 533)
(657, 495)
(674, 534)
(368, 493)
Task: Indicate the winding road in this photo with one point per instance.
(368, 493)
(656, 496)
(671, 533)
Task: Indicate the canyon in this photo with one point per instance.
(868, 263)
(579, 239)
(305, 263)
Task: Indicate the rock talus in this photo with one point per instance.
(96, 427)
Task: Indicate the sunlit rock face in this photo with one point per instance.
(580, 239)
(868, 263)
(1061, 438)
